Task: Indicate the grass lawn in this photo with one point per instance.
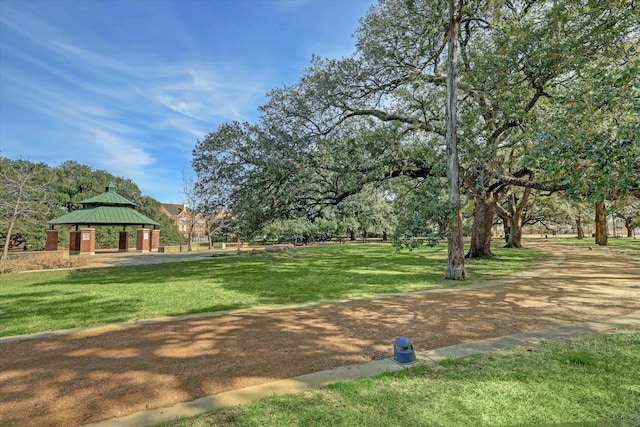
(619, 245)
(590, 382)
(48, 300)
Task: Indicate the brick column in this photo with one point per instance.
(52, 241)
(74, 242)
(123, 242)
(155, 240)
(143, 239)
(88, 241)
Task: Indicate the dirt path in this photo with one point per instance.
(82, 378)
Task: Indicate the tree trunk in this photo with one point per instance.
(601, 224)
(515, 216)
(579, 227)
(5, 248)
(483, 214)
(190, 238)
(455, 250)
(507, 229)
(629, 227)
(515, 232)
(455, 243)
(12, 223)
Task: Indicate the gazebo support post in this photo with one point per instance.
(143, 239)
(82, 242)
(88, 241)
(52, 240)
(155, 240)
(123, 241)
(74, 242)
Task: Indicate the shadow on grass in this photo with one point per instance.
(93, 296)
(299, 276)
(87, 297)
(61, 310)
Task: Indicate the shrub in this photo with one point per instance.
(278, 248)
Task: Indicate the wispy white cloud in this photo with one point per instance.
(116, 153)
(183, 97)
(133, 98)
(206, 92)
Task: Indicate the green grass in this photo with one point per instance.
(590, 382)
(619, 245)
(48, 300)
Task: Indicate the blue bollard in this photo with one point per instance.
(403, 350)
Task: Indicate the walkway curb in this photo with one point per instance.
(369, 369)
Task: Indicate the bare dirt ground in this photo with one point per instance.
(104, 373)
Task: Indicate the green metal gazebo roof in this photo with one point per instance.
(104, 215)
(108, 208)
(108, 198)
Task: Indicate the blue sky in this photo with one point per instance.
(128, 86)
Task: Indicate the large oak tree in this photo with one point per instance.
(381, 113)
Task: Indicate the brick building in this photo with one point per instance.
(181, 214)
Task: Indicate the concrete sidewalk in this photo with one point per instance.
(118, 259)
(377, 367)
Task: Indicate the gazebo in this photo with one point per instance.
(110, 209)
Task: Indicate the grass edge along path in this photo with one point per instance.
(620, 245)
(592, 381)
(56, 300)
